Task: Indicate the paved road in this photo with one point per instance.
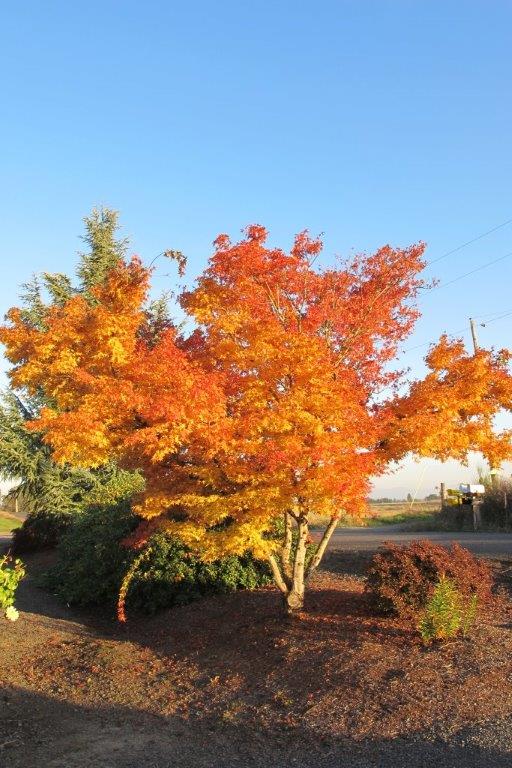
(370, 539)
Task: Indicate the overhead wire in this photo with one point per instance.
(461, 330)
(471, 272)
(469, 242)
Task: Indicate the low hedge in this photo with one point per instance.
(400, 579)
(40, 530)
(92, 563)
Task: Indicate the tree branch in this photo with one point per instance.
(286, 549)
(320, 550)
(276, 572)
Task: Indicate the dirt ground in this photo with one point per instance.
(226, 682)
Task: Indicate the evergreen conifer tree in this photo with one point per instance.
(47, 490)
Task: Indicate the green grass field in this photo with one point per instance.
(403, 512)
(388, 514)
(7, 523)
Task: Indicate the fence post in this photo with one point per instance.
(442, 493)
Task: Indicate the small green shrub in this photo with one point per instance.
(11, 573)
(400, 579)
(92, 564)
(447, 613)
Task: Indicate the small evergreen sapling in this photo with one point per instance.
(447, 613)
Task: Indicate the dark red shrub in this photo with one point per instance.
(400, 579)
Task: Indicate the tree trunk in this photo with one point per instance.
(294, 598)
(291, 579)
(286, 549)
(320, 550)
(294, 601)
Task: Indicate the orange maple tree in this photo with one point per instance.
(268, 414)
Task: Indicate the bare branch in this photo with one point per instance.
(320, 550)
(286, 549)
(276, 572)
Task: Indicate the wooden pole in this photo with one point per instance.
(473, 334)
(493, 471)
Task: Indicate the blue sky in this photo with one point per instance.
(372, 122)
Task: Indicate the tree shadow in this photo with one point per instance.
(38, 730)
(353, 562)
(243, 669)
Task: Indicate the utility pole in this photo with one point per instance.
(473, 334)
(493, 472)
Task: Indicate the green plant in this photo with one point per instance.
(469, 614)
(447, 613)
(93, 563)
(40, 530)
(11, 573)
(50, 494)
(400, 579)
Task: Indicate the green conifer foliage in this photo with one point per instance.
(51, 493)
(105, 249)
(45, 488)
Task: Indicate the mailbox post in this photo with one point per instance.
(472, 495)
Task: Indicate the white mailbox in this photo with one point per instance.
(476, 488)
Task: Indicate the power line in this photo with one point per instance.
(507, 314)
(471, 272)
(469, 242)
(432, 341)
(494, 314)
(460, 330)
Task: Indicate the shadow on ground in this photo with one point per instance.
(227, 682)
(39, 731)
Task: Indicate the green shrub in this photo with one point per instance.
(447, 612)
(11, 573)
(92, 563)
(40, 530)
(400, 580)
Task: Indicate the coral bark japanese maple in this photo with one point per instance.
(269, 411)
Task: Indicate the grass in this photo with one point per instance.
(403, 517)
(392, 513)
(7, 523)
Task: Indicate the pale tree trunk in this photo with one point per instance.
(286, 549)
(291, 578)
(294, 599)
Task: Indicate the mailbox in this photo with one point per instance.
(472, 489)
(472, 494)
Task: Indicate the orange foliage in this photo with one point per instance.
(451, 411)
(269, 406)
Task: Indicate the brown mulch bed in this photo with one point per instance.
(227, 681)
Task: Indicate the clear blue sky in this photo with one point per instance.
(372, 122)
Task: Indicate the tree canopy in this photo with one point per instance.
(272, 409)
